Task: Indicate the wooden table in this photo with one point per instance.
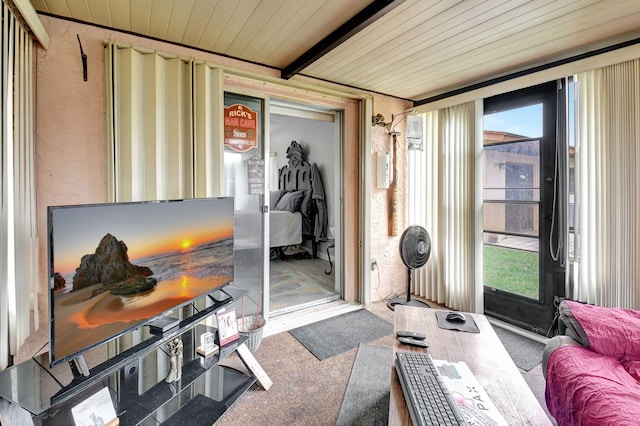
(487, 359)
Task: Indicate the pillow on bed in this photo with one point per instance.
(290, 201)
(274, 197)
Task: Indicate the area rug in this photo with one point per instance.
(525, 353)
(366, 400)
(339, 334)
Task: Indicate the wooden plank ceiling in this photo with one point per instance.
(412, 49)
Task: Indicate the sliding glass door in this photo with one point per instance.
(244, 180)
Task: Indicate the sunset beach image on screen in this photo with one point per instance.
(114, 267)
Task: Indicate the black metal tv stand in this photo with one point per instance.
(135, 377)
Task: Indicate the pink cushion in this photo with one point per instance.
(586, 388)
(611, 331)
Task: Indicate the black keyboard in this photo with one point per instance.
(428, 399)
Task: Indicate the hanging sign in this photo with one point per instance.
(240, 128)
(255, 167)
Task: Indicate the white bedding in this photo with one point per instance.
(285, 228)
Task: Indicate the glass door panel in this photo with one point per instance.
(510, 215)
(249, 249)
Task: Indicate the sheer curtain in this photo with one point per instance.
(442, 198)
(18, 254)
(607, 155)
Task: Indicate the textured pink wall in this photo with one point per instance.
(390, 277)
(71, 135)
(70, 125)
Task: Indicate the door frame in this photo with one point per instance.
(339, 206)
(531, 314)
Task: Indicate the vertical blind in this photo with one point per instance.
(150, 117)
(423, 200)
(18, 254)
(164, 128)
(208, 156)
(442, 193)
(607, 154)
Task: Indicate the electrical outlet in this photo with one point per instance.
(374, 264)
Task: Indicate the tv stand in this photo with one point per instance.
(135, 377)
(79, 367)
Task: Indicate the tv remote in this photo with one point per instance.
(413, 342)
(412, 334)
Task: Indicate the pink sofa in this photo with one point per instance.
(593, 372)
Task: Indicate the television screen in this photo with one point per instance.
(115, 267)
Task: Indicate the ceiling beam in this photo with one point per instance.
(371, 13)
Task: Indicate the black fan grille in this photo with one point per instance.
(415, 246)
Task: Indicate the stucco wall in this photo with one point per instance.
(71, 136)
(390, 276)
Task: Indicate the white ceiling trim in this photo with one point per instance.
(598, 61)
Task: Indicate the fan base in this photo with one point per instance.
(403, 301)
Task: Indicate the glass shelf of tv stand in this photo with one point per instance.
(32, 384)
(201, 376)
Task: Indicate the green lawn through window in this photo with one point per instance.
(511, 270)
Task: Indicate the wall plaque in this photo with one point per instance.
(240, 128)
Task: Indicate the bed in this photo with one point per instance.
(285, 228)
(298, 207)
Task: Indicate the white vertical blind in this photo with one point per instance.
(151, 134)
(458, 135)
(607, 155)
(18, 254)
(442, 199)
(208, 123)
(424, 197)
(166, 126)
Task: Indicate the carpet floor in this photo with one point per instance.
(524, 352)
(307, 391)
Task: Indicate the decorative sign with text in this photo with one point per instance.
(472, 399)
(240, 128)
(255, 167)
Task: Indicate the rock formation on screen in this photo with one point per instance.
(58, 281)
(110, 266)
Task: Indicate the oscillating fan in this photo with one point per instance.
(415, 249)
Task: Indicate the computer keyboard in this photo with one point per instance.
(426, 395)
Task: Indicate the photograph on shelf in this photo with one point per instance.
(96, 410)
(227, 326)
(207, 344)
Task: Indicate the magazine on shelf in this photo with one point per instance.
(474, 403)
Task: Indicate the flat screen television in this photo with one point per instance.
(116, 267)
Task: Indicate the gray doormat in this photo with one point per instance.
(339, 334)
(525, 353)
(366, 400)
